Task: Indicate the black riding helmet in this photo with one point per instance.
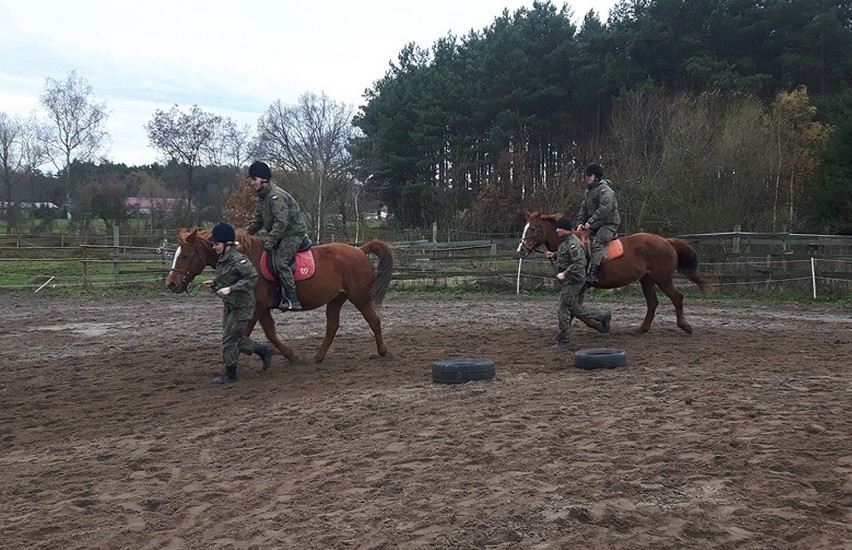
(223, 233)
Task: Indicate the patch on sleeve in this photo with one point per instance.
(274, 197)
(243, 261)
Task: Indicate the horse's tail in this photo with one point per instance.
(383, 271)
(687, 264)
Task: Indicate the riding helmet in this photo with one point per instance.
(594, 169)
(223, 233)
(564, 223)
(260, 170)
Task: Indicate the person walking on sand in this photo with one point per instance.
(235, 280)
(571, 271)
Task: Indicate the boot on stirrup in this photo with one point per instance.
(229, 376)
(265, 354)
(289, 300)
(592, 275)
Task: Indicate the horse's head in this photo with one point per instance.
(193, 254)
(540, 230)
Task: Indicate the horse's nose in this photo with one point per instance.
(172, 286)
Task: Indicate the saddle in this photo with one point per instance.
(303, 264)
(614, 248)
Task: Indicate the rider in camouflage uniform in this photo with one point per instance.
(234, 283)
(599, 217)
(278, 213)
(571, 271)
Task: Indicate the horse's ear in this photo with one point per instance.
(527, 213)
(192, 235)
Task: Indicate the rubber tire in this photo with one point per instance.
(459, 371)
(599, 358)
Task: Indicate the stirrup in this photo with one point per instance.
(287, 305)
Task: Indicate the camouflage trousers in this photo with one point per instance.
(234, 339)
(598, 239)
(570, 306)
(284, 254)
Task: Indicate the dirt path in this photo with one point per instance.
(738, 436)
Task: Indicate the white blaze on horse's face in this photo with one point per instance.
(523, 237)
(177, 255)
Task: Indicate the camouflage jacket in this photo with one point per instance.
(235, 270)
(600, 206)
(571, 258)
(278, 213)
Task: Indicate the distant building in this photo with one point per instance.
(145, 206)
(27, 209)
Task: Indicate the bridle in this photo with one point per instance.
(186, 277)
(536, 234)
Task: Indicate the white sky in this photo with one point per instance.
(231, 58)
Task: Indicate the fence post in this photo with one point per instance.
(115, 240)
(813, 275)
(737, 238)
(518, 284)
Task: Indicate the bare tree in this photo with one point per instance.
(233, 145)
(76, 128)
(20, 154)
(308, 141)
(188, 139)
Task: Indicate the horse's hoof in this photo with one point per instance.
(687, 328)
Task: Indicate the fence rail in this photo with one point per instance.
(758, 263)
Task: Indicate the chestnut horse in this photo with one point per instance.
(648, 258)
(343, 272)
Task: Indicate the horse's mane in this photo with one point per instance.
(249, 245)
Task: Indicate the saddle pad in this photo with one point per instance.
(304, 269)
(614, 248)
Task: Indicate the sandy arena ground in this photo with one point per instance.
(112, 436)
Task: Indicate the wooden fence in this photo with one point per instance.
(739, 263)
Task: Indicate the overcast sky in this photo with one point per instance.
(231, 58)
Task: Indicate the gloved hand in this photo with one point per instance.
(222, 292)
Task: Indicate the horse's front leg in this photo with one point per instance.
(332, 323)
(649, 290)
(268, 323)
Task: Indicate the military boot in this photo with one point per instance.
(289, 300)
(229, 376)
(605, 320)
(265, 353)
(562, 343)
(592, 275)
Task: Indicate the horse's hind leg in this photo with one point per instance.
(651, 301)
(677, 299)
(268, 324)
(332, 323)
(368, 310)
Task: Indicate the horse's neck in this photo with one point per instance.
(252, 247)
(552, 240)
